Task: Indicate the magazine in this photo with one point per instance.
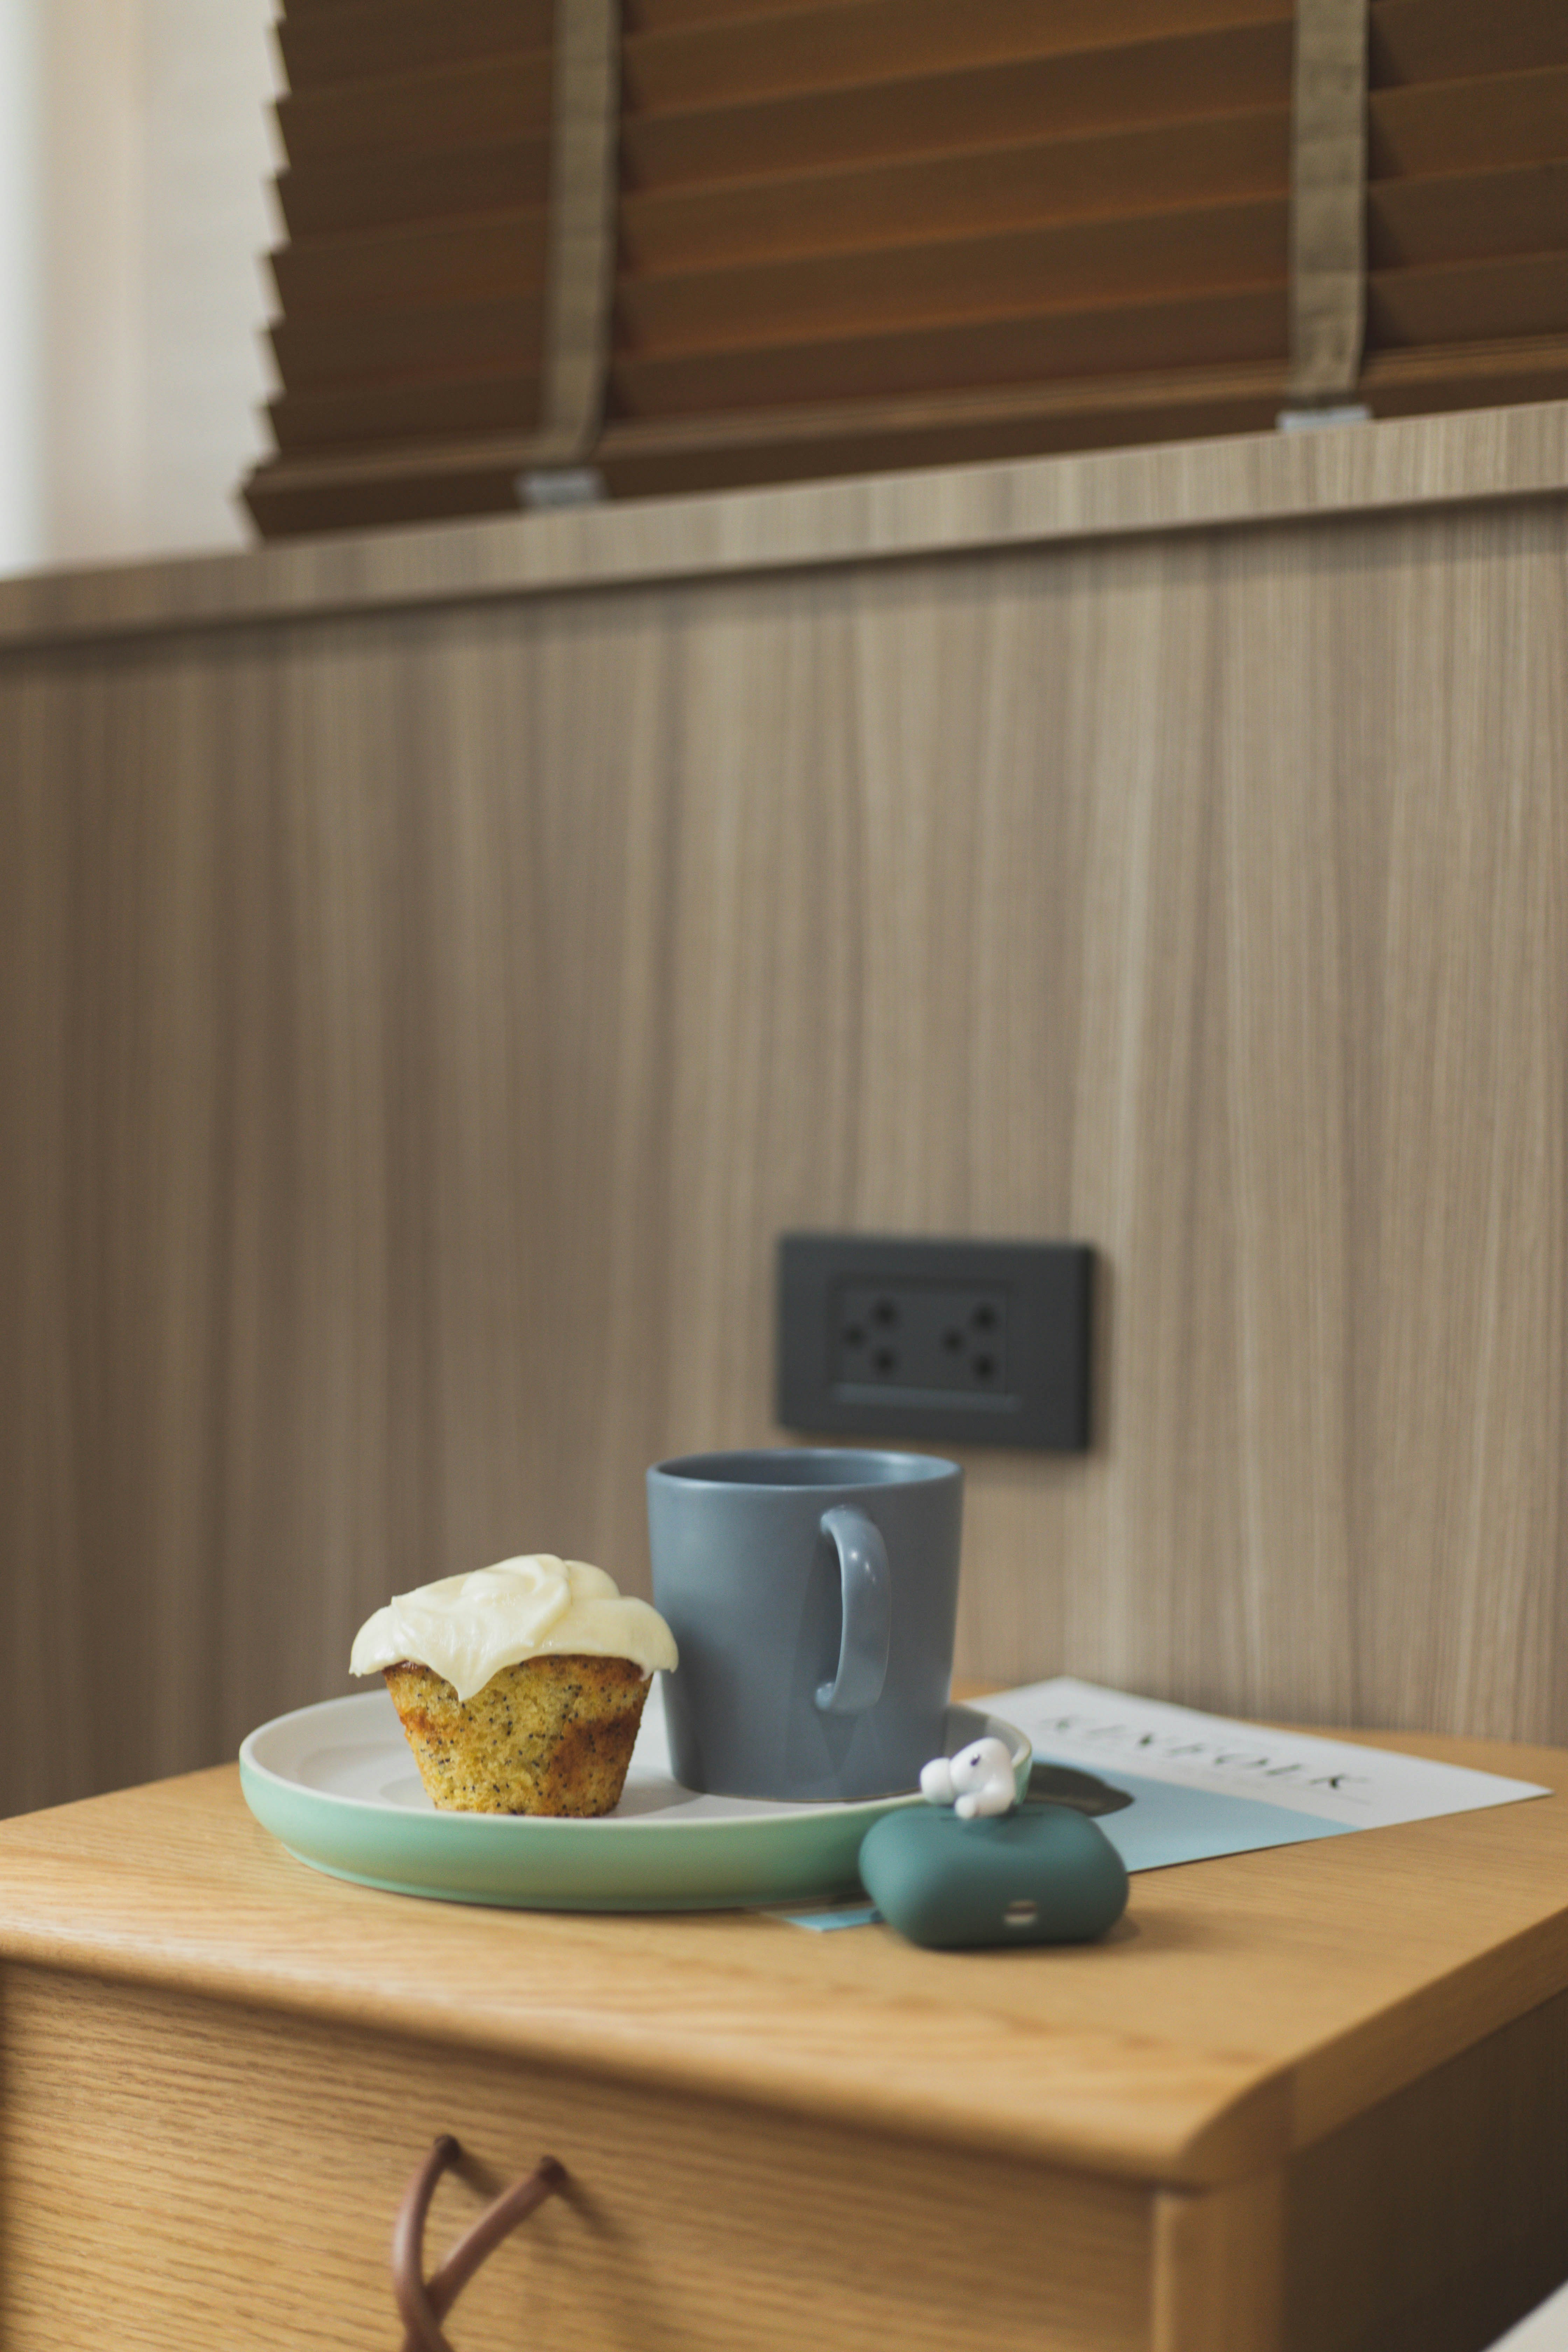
(1167, 1784)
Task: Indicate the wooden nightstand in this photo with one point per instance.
(1315, 2098)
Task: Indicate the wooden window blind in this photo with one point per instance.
(1466, 203)
(856, 233)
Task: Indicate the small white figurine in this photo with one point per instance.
(978, 1779)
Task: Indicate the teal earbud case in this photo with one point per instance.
(1044, 1874)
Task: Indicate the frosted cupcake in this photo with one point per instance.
(519, 1687)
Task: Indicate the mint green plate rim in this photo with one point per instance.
(769, 1858)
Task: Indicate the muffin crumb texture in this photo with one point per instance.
(550, 1735)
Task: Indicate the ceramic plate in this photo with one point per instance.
(337, 1785)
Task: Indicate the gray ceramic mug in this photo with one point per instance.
(813, 1593)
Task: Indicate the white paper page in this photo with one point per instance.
(1333, 1780)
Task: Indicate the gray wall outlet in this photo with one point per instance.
(982, 1343)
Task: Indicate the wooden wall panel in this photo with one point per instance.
(416, 1027)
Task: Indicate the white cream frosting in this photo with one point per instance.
(467, 1628)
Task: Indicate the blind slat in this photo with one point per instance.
(1067, 268)
(317, 355)
(1202, 73)
(1450, 40)
(1205, 329)
(654, 458)
(498, 399)
(325, 197)
(493, 259)
(879, 40)
(670, 15)
(1458, 126)
(1468, 301)
(1469, 215)
(416, 114)
(364, 38)
(1104, 175)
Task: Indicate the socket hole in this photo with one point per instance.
(854, 1335)
(952, 1341)
(885, 1360)
(1021, 1913)
(885, 1314)
(984, 1318)
(984, 1368)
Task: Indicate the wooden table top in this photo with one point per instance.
(1243, 2008)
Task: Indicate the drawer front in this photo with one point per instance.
(181, 2174)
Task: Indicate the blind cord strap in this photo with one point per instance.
(1328, 199)
(580, 264)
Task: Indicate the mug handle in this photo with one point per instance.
(867, 1613)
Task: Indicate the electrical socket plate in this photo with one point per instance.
(983, 1343)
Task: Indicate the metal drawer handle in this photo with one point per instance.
(424, 2303)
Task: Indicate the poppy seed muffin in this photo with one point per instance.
(519, 1687)
(549, 1735)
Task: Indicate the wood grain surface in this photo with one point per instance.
(417, 1022)
(1437, 2219)
(1244, 2009)
(1218, 2272)
(242, 2170)
(1300, 2101)
(1495, 454)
